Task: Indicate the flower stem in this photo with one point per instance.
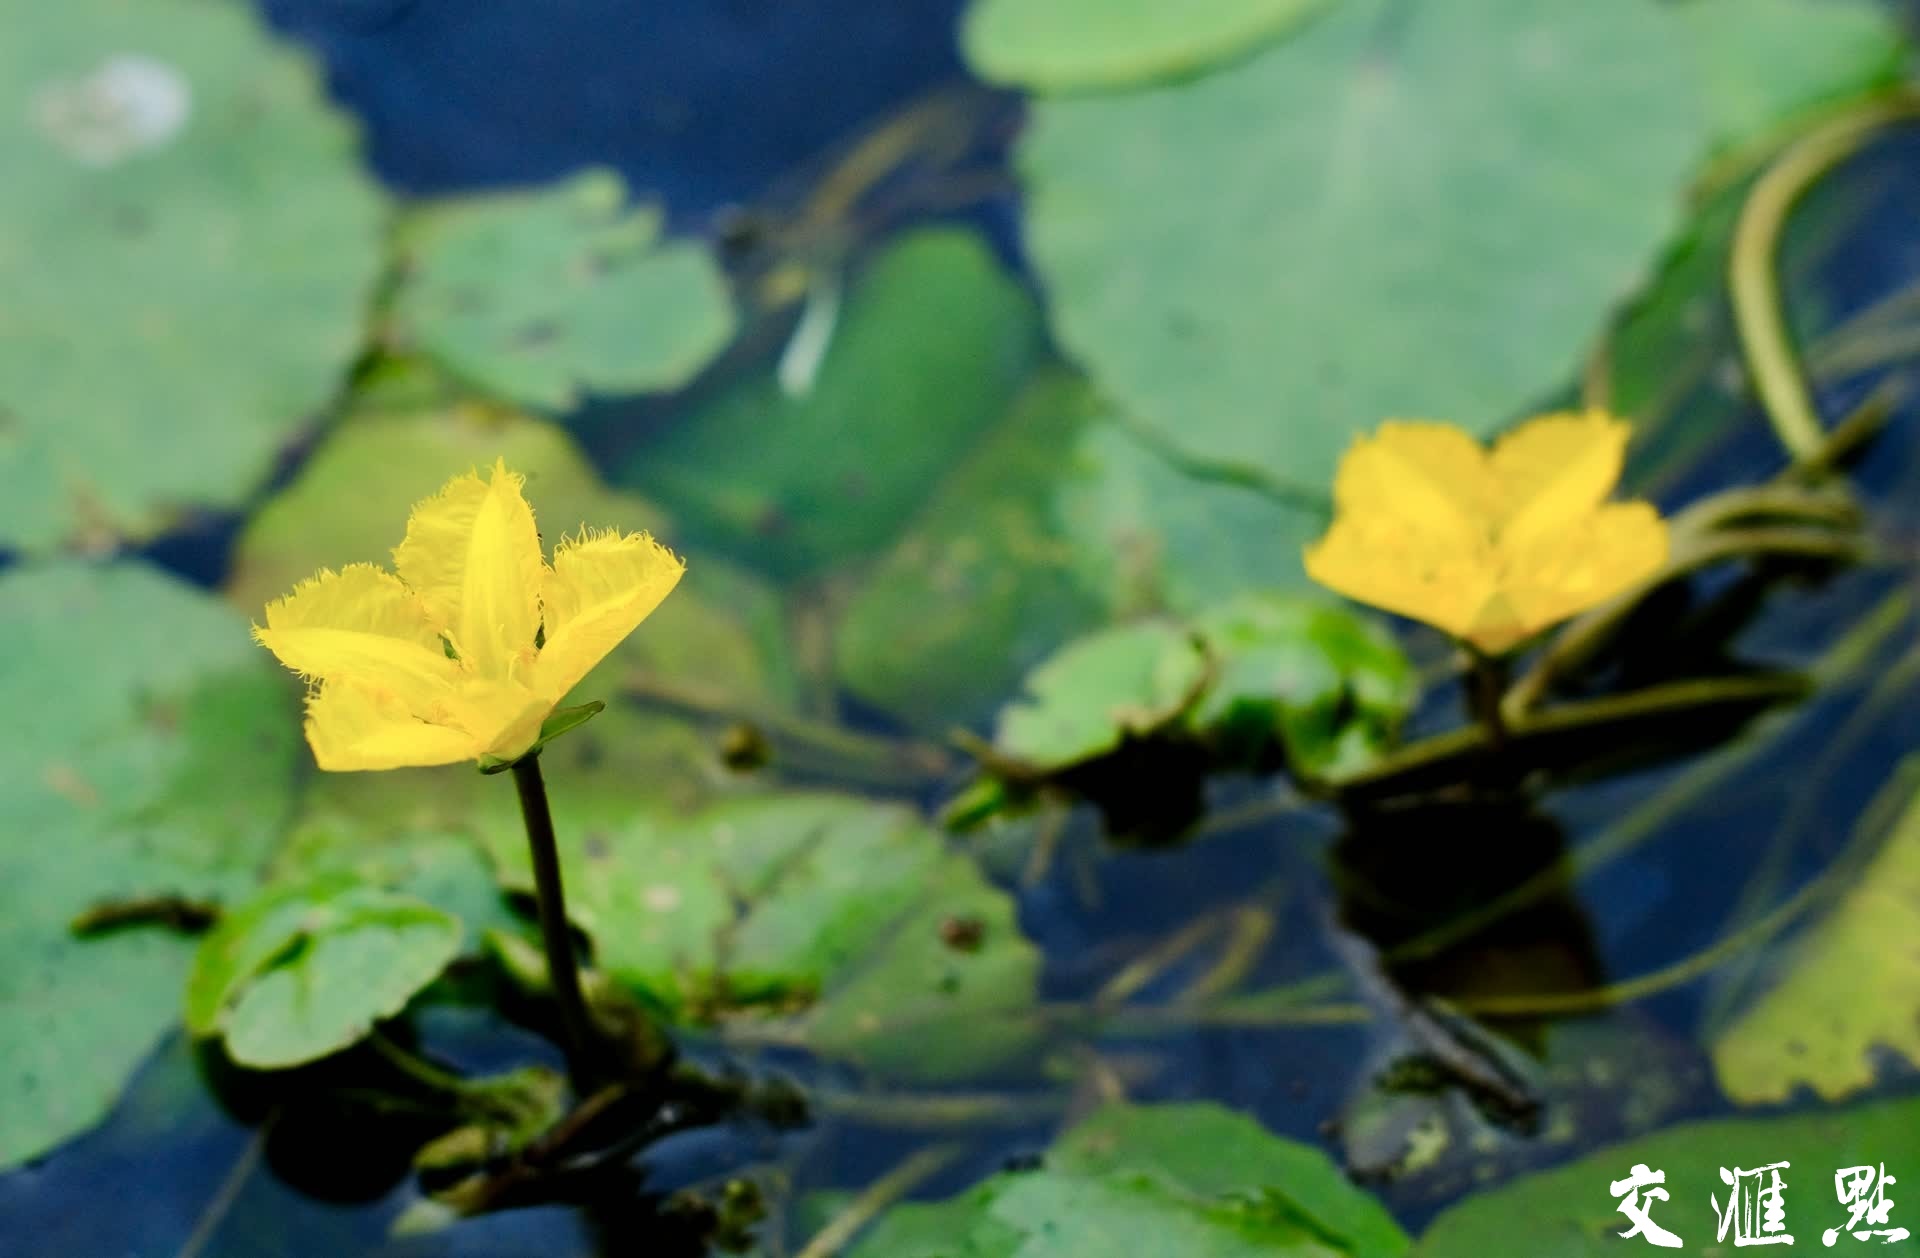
(562, 967)
(1488, 680)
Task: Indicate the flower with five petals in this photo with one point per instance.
(465, 652)
(1491, 546)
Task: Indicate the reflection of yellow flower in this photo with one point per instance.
(473, 645)
(1491, 546)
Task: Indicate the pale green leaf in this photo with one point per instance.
(168, 772)
(1067, 45)
(543, 294)
(187, 247)
(1845, 993)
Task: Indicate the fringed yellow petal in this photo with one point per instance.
(1490, 547)
(504, 717)
(353, 727)
(601, 586)
(1555, 469)
(1430, 475)
(1393, 564)
(472, 554)
(1603, 554)
(361, 625)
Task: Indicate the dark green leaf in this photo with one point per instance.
(935, 342)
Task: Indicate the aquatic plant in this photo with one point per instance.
(466, 655)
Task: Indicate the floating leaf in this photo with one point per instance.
(168, 772)
(1373, 262)
(444, 867)
(824, 908)
(1194, 1180)
(1063, 45)
(982, 583)
(1848, 990)
(935, 342)
(1130, 680)
(540, 294)
(1330, 687)
(307, 969)
(1764, 64)
(1568, 1211)
(1151, 535)
(187, 245)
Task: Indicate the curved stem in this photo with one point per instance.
(562, 967)
(1755, 286)
(873, 1200)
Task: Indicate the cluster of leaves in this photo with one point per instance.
(1258, 682)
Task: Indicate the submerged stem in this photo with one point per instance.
(1489, 684)
(562, 967)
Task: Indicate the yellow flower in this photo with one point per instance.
(464, 653)
(1491, 546)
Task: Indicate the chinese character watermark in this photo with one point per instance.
(1863, 1189)
(1638, 1178)
(1756, 1211)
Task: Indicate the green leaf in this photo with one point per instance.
(444, 867)
(1066, 45)
(982, 583)
(562, 720)
(1152, 535)
(1844, 993)
(720, 629)
(1568, 1211)
(1092, 694)
(935, 342)
(1415, 210)
(822, 911)
(1768, 63)
(187, 246)
(306, 969)
(538, 295)
(1193, 1180)
(1331, 687)
(168, 772)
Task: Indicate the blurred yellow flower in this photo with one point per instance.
(1491, 546)
(466, 652)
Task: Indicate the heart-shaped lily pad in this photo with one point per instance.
(1403, 210)
(1194, 1180)
(540, 295)
(806, 917)
(1129, 680)
(160, 764)
(306, 969)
